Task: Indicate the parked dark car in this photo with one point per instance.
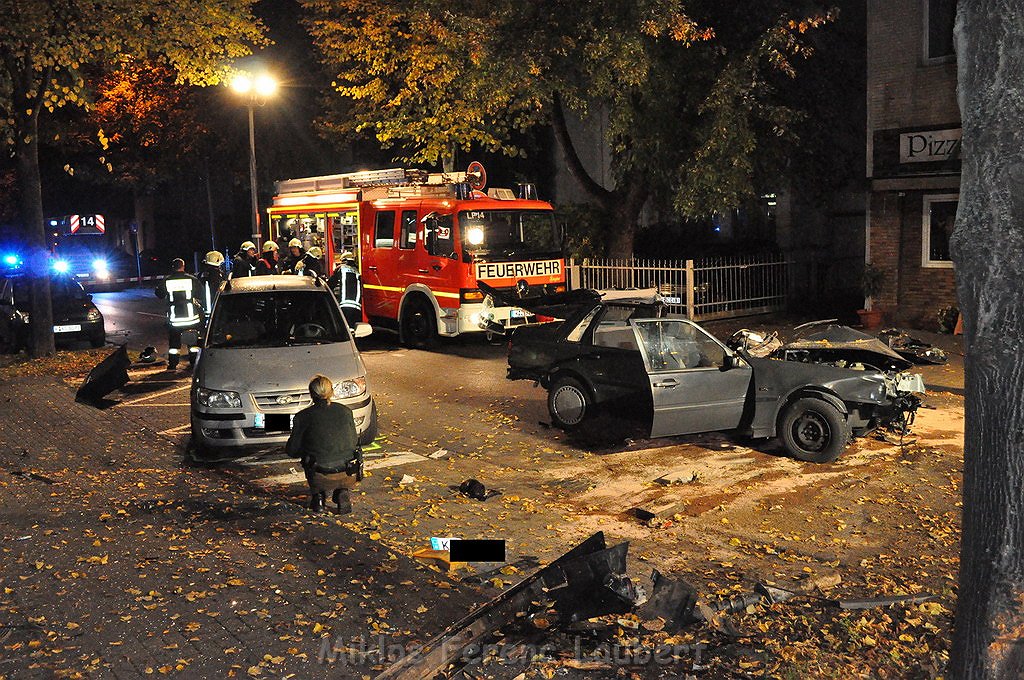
(75, 317)
(628, 356)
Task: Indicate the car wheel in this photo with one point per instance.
(197, 450)
(569, 403)
(419, 328)
(98, 340)
(814, 430)
(371, 432)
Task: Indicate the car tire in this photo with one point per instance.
(569, 403)
(371, 432)
(419, 327)
(814, 430)
(199, 453)
(98, 340)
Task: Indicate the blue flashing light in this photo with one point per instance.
(11, 260)
(60, 266)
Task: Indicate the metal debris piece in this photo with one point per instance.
(672, 599)
(447, 646)
(108, 375)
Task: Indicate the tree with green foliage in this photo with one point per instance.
(690, 88)
(45, 47)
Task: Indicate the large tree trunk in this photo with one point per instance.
(622, 206)
(988, 249)
(38, 262)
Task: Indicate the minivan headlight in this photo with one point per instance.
(217, 398)
(346, 389)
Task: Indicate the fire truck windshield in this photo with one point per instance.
(509, 231)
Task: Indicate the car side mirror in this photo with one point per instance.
(732, 361)
(362, 330)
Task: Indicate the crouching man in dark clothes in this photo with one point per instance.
(324, 437)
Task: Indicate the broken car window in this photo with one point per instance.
(673, 345)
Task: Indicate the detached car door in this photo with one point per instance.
(694, 387)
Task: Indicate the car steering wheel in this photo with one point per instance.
(309, 330)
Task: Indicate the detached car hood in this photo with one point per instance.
(843, 342)
(271, 369)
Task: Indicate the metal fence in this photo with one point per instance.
(705, 288)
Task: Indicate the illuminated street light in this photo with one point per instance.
(255, 89)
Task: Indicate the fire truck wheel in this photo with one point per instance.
(419, 328)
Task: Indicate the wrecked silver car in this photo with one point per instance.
(626, 355)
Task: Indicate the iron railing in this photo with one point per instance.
(705, 288)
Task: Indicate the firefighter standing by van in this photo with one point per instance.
(184, 312)
(244, 261)
(211, 275)
(347, 286)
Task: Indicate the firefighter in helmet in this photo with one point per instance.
(311, 263)
(294, 256)
(184, 312)
(244, 261)
(211, 276)
(267, 264)
(347, 287)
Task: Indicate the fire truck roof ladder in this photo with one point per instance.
(392, 177)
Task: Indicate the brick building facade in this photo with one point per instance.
(913, 156)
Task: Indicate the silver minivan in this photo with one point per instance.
(267, 337)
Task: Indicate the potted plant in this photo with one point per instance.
(871, 282)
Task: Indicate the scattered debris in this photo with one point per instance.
(913, 349)
(438, 558)
(871, 602)
(672, 600)
(440, 453)
(108, 375)
(406, 480)
(33, 475)
(573, 573)
(670, 478)
(471, 488)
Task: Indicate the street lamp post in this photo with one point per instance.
(256, 89)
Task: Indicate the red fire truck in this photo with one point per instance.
(423, 240)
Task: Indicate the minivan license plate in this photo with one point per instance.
(278, 422)
(71, 328)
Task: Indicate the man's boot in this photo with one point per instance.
(316, 502)
(342, 500)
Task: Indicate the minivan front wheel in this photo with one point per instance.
(371, 432)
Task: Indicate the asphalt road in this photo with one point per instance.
(137, 311)
(450, 398)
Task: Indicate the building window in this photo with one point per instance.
(939, 214)
(939, 16)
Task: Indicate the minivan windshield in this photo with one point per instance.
(275, 319)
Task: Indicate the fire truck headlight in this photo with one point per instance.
(475, 236)
(345, 389)
(60, 266)
(100, 267)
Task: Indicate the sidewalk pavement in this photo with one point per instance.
(119, 560)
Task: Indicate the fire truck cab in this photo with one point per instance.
(423, 241)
